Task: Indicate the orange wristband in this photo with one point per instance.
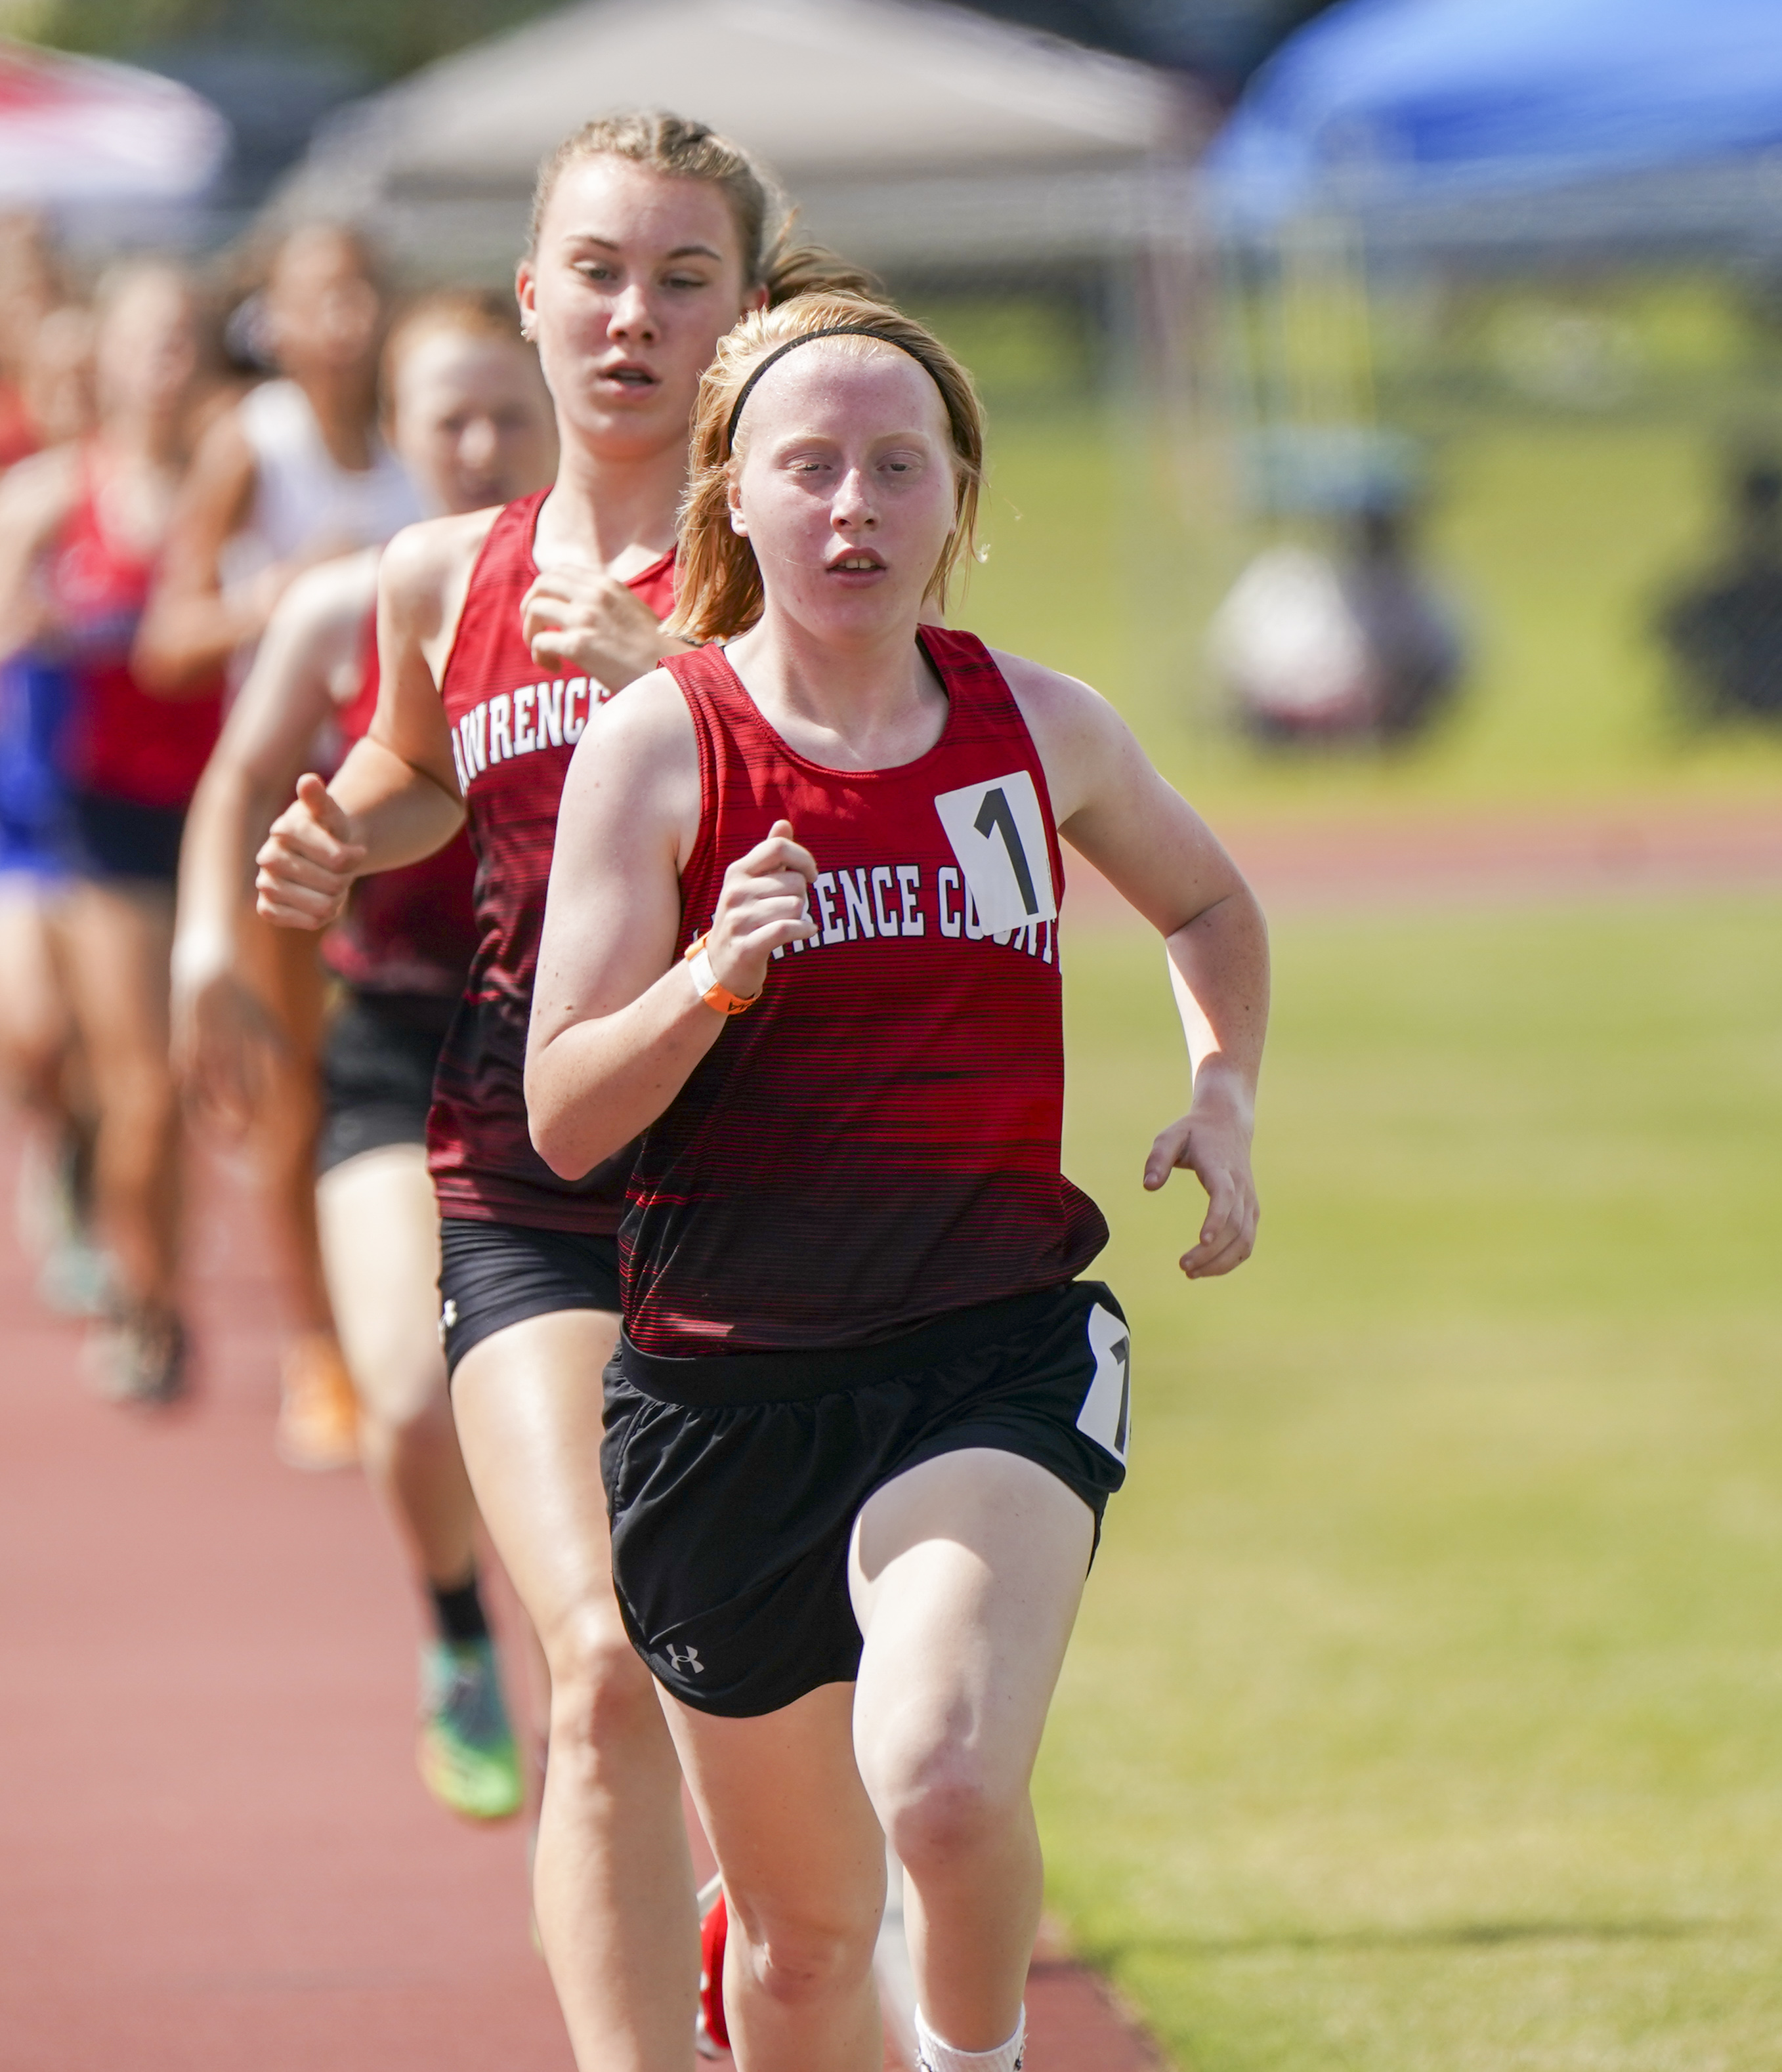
(719, 998)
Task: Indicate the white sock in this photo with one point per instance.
(932, 2055)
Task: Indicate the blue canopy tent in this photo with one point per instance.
(1488, 131)
(1488, 120)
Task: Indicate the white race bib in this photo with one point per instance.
(1106, 1414)
(998, 834)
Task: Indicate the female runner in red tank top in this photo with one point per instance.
(470, 419)
(91, 518)
(498, 636)
(864, 1419)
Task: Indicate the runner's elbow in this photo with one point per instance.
(551, 1124)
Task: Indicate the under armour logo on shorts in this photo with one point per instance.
(682, 1659)
(448, 1316)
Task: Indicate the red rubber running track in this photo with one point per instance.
(214, 1852)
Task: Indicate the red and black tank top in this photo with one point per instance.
(876, 1142)
(513, 736)
(412, 930)
(122, 742)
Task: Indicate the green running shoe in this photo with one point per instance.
(466, 1749)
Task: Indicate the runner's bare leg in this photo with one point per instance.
(803, 1866)
(380, 1231)
(966, 1574)
(613, 1881)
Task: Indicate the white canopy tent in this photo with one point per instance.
(910, 133)
(103, 144)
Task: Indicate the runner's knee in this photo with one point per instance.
(941, 1802)
(601, 1691)
(138, 1108)
(403, 1387)
(799, 1959)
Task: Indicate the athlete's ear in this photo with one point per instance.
(526, 293)
(756, 299)
(733, 497)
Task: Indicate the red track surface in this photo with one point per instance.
(215, 1853)
(1480, 855)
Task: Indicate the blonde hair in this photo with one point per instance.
(689, 151)
(472, 312)
(718, 586)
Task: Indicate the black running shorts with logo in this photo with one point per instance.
(377, 1062)
(492, 1275)
(733, 1481)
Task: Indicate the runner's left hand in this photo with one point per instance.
(581, 621)
(1212, 1141)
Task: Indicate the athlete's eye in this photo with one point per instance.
(688, 280)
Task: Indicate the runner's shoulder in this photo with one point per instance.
(649, 717)
(1084, 746)
(1053, 702)
(426, 567)
(639, 757)
(332, 597)
(435, 553)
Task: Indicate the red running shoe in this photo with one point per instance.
(710, 2033)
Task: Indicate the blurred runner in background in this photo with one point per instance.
(29, 288)
(471, 419)
(45, 365)
(650, 237)
(87, 521)
(295, 474)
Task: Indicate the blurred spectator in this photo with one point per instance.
(1355, 647)
(1724, 629)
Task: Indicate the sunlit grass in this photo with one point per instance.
(1555, 537)
(1423, 1715)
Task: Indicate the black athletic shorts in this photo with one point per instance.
(734, 1481)
(377, 1062)
(492, 1275)
(117, 838)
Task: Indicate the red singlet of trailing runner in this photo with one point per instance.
(876, 1143)
(410, 930)
(123, 744)
(512, 736)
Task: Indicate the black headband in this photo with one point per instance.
(809, 338)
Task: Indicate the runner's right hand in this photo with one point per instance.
(308, 861)
(764, 905)
(226, 1047)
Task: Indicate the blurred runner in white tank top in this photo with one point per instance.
(303, 498)
(296, 473)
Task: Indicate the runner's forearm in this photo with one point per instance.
(596, 1084)
(229, 815)
(399, 813)
(1219, 969)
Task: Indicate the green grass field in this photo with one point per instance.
(1426, 1715)
(1555, 538)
